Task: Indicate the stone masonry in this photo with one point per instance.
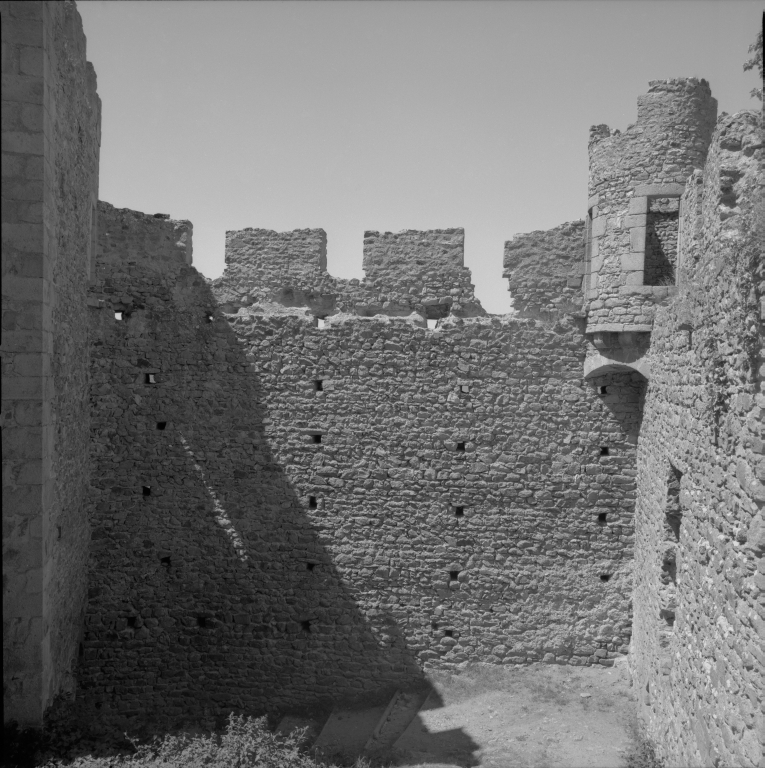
(698, 644)
(285, 513)
(280, 488)
(51, 135)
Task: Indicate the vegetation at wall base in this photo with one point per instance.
(245, 743)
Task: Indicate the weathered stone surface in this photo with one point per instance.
(703, 429)
(406, 272)
(51, 125)
(651, 159)
(302, 491)
(451, 508)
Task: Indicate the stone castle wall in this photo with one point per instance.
(406, 272)
(652, 158)
(286, 513)
(51, 135)
(303, 491)
(700, 554)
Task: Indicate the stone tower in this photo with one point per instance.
(636, 180)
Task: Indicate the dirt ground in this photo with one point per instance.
(544, 716)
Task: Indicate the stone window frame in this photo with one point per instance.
(593, 231)
(636, 222)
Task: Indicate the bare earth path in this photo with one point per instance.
(543, 716)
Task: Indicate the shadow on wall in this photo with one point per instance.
(211, 589)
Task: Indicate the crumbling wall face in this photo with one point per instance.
(75, 122)
(285, 514)
(697, 651)
(544, 271)
(51, 118)
(651, 159)
(405, 272)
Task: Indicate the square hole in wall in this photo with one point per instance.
(131, 622)
(310, 566)
(604, 450)
(432, 323)
(146, 490)
(448, 633)
(202, 621)
(305, 626)
(312, 503)
(161, 425)
(318, 385)
(605, 576)
(464, 388)
(604, 390)
(119, 315)
(321, 322)
(602, 518)
(460, 446)
(459, 511)
(453, 575)
(149, 378)
(316, 439)
(165, 561)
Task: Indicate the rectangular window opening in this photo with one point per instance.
(460, 446)
(454, 575)
(161, 425)
(602, 518)
(672, 510)
(149, 378)
(318, 385)
(312, 503)
(459, 511)
(316, 439)
(661, 240)
(310, 566)
(118, 315)
(131, 621)
(604, 451)
(321, 322)
(146, 490)
(448, 633)
(165, 561)
(432, 323)
(305, 626)
(201, 621)
(604, 390)
(605, 576)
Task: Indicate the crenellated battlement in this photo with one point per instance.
(406, 272)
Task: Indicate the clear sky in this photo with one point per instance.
(386, 114)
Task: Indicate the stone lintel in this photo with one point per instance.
(659, 190)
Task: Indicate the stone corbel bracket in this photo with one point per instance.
(615, 350)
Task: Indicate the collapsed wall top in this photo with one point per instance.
(406, 272)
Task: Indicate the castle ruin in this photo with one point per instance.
(281, 488)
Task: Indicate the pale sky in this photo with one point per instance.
(386, 114)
